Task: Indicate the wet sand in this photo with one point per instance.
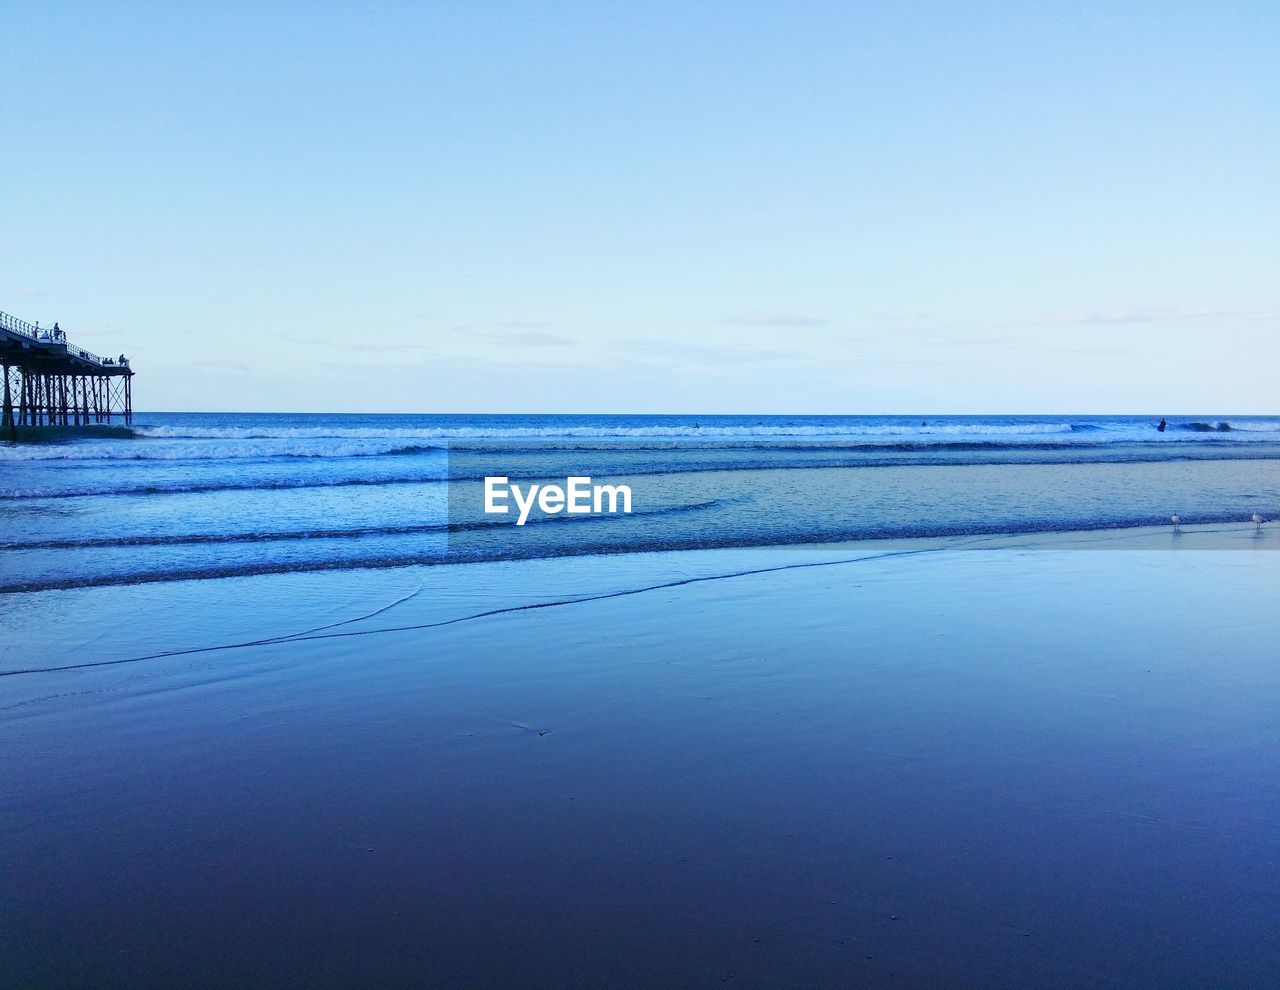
(1035, 761)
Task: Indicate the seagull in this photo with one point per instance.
(1176, 520)
(1258, 520)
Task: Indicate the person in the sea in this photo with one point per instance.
(1162, 425)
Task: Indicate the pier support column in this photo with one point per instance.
(6, 418)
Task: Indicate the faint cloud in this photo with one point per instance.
(685, 352)
(304, 341)
(525, 338)
(762, 319)
(533, 339)
(1151, 314)
(447, 365)
(393, 348)
(524, 324)
(234, 367)
(911, 317)
(390, 347)
(933, 338)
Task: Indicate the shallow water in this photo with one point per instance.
(946, 762)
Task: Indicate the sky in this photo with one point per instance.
(695, 207)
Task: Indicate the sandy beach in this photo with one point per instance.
(1006, 762)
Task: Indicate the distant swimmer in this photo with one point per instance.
(1162, 425)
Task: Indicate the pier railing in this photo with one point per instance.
(15, 325)
(56, 338)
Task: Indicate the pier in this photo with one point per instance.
(49, 381)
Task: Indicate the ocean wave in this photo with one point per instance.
(619, 432)
(218, 485)
(193, 451)
(187, 450)
(350, 533)
(696, 431)
(894, 456)
(1227, 426)
(540, 550)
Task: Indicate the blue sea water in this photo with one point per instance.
(207, 495)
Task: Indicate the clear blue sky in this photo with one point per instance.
(685, 207)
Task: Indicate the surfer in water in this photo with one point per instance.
(1161, 426)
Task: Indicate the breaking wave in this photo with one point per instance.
(204, 444)
(668, 542)
(352, 533)
(617, 432)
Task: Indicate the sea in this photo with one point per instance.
(205, 495)
(316, 719)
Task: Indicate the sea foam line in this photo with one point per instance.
(538, 551)
(314, 635)
(1205, 450)
(412, 529)
(622, 432)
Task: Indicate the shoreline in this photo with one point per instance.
(1225, 534)
(149, 603)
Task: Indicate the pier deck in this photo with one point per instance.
(49, 381)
